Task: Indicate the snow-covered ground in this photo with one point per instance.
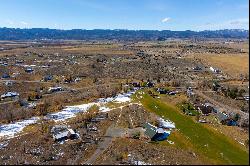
(166, 123)
(133, 161)
(10, 130)
(120, 98)
(104, 109)
(69, 112)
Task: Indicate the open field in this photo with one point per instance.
(234, 64)
(99, 49)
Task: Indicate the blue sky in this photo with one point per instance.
(125, 14)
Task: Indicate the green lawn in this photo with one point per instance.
(218, 148)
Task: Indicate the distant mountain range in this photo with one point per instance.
(103, 34)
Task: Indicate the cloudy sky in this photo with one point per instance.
(126, 14)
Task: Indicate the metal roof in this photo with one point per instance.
(150, 130)
(61, 135)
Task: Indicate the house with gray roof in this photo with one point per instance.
(155, 133)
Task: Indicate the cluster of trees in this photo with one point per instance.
(233, 92)
(188, 108)
(101, 34)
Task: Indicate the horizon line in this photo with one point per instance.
(124, 29)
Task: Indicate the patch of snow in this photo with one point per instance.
(10, 130)
(121, 98)
(32, 105)
(136, 162)
(166, 123)
(212, 69)
(105, 100)
(104, 109)
(141, 163)
(170, 142)
(241, 143)
(69, 112)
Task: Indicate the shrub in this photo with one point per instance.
(247, 142)
(136, 135)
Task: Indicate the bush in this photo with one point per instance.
(247, 142)
(188, 108)
(136, 135)
(122, 156)
(43, 109)
(92, 112)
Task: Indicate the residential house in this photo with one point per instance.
(48, 78)
(215, 70)
(29, 70)
(197, 68)
(162, 90)
(246, 97)
(222, 117)
(172, 92)
(205, 109)
(9, 95)
(62, 132)
(154, 133)
(19, 61)
(8, 83)
(190, 92)
(55, 89)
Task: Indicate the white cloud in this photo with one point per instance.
(165, 19)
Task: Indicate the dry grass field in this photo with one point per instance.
(232, 64)
(99, 49)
